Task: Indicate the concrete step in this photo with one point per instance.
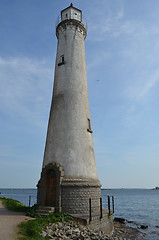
(45, 210)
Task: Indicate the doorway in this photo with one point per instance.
(51, 183)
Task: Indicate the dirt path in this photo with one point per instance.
(8, 223)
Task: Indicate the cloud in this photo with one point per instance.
(152, 81)
(106, 24)
(25, 87)
(139, 89)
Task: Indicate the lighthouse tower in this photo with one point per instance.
(69, 176)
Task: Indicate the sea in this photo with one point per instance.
(137, 206)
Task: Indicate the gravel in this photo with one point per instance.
(72, 230)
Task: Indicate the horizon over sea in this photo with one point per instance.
(137, 206)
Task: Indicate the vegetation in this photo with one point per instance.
(31, 229)
(13, 205)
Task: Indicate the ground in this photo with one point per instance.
(8, 223)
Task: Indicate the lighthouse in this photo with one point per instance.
(69, 177)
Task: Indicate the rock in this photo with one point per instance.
(69, 232)
(129, 221)
(73, 231)
(60, 225)
(44, 234)
(120, 220)
(51, 237)
(82, 236)
(66, 228)
(53, 227)
(143, 226)
(154, 232)
(76, 232)
(49, 232)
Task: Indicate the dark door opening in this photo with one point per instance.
(51, 188)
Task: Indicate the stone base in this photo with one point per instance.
(104, 224)
(67, 194)
(75, 194)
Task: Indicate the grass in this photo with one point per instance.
(31, 229)
(13, 205)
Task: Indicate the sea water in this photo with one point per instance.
(21, 195)
(138, 206)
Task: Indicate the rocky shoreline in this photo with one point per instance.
(73, 230)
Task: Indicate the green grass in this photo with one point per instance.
(31, 229)
(13, 205)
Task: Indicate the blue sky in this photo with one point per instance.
(122, 58)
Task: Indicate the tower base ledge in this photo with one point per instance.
(80, 182)
(97, 223)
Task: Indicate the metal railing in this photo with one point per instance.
(58, 20)
(109, 206)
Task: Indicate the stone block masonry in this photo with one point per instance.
(75, 196)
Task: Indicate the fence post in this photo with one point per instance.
(101, 213)
(113, 203)
(29, 201)
(90, 210)
(109, 204)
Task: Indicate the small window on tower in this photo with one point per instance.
(89, 129)
(66, 15)
(62, 60)
(75, 13)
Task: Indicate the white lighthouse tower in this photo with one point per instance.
(69, 176)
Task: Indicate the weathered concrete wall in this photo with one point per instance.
(68, 141)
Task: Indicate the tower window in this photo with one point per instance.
(62, 60)
(89, 129)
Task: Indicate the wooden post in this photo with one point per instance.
(109, 204)
(113, 203)
(29, 201)
(90, 210)
(101, 213)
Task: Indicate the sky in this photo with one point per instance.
(122, 56)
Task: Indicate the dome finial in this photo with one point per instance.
(71, 5)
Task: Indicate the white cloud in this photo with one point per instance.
(142, 85)
(149, 85)
(104, 19)
(25, 87)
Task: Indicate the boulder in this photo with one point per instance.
(143, 226)
(120, 220)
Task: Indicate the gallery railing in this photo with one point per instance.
(58, 20)
(96, 207)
